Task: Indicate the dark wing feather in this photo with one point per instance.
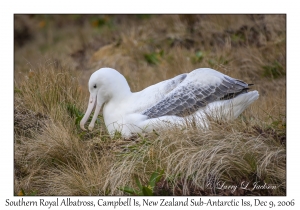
(188, 98)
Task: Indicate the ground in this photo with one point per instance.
(54, 56)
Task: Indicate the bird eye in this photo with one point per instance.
(95, 86)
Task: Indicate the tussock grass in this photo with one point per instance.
(52, 156)
(196, 157)
(51, 87)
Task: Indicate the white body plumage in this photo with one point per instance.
(197, 94)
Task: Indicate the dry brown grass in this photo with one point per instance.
(54, 157)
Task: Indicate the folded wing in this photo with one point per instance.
(198, 89)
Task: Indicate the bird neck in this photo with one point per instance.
(120, 89)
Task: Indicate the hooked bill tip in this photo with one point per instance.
(82, 127)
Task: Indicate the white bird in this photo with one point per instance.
(199, 93)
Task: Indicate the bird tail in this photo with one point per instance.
(240, 103)
(232, 108)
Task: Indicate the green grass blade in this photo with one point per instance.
(138, 183)
(128, 190)
(146, 191)
(155, 177)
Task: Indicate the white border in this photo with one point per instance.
(153, 6)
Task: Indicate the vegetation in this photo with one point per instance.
(147, 190)
(54, 58)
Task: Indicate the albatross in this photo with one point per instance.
(196, 95)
